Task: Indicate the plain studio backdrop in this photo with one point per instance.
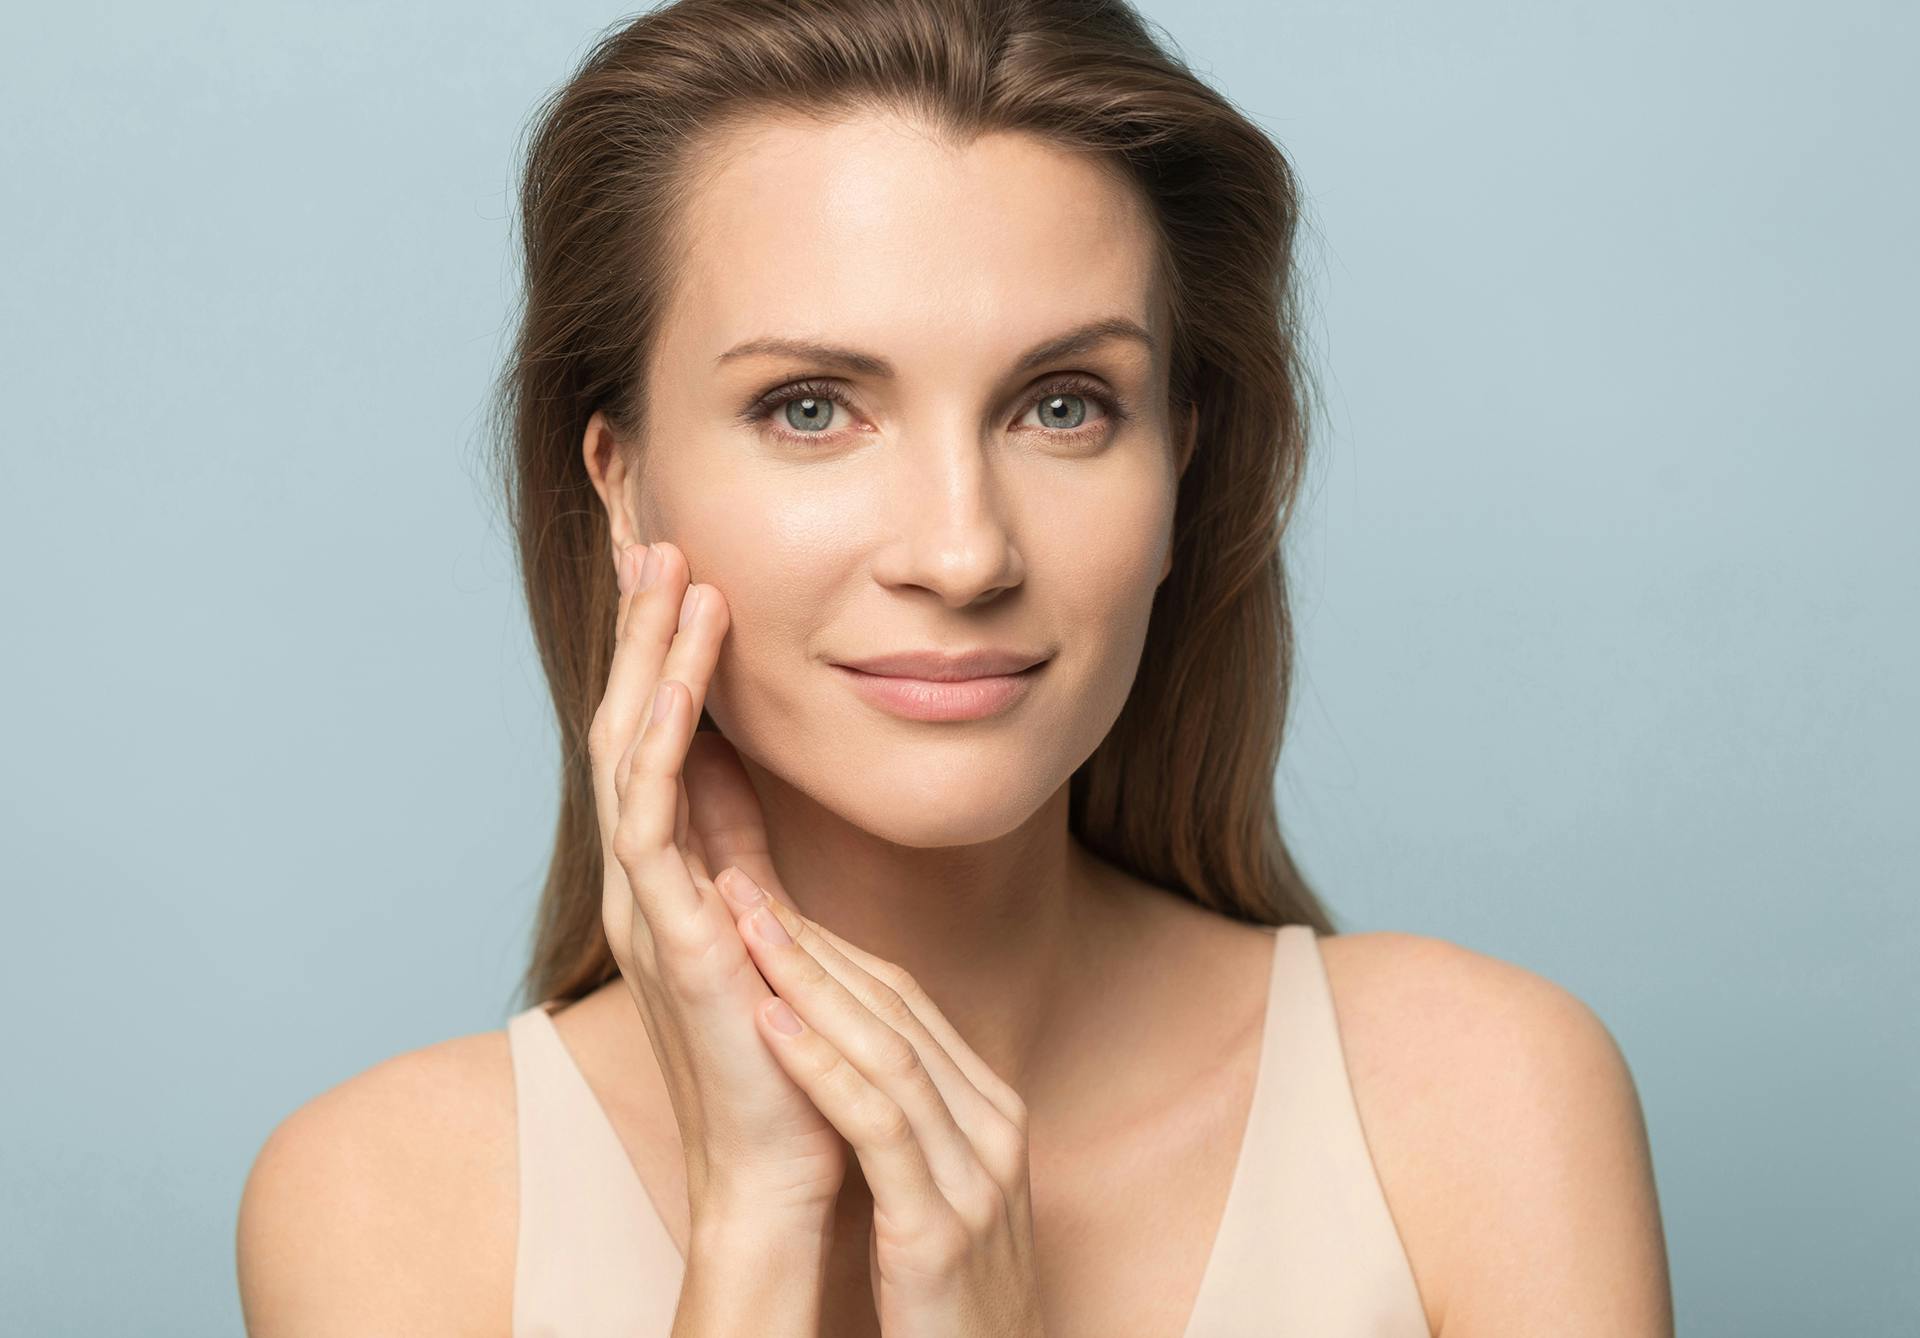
(1607, 576)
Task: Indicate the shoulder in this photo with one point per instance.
(389, 1202)
(1509, 1138)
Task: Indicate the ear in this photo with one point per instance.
(607, 467)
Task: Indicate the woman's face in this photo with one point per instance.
(937, 493)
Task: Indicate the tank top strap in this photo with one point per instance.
(593, 1259)
(1307, 1243)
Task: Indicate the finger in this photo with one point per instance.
(697, 867)
(682, 809)
(977, 1114)
(615, 722)
(631, 566)
(729, 818)
(882, 1135)
(990, 1112)
(693, 649)
(978, 1073)
(700, 625)
(885, 1059)
(643, 835)
(640, 644)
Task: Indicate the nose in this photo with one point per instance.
(952, 532)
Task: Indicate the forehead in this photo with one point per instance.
(873, 232)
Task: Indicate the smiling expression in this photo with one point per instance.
(912, 396)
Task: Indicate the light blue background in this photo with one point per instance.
(1607, 576)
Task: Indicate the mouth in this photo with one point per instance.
(942, 700)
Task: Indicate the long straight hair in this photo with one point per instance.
(1180, 792)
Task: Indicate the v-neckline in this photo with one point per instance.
(1257, 1111)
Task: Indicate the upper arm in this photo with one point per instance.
(1508, 1120)
(376, 1207)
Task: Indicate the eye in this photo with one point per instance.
(810, 414)
(1062, 407)
(804, 410)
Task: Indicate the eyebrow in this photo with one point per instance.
(1080, 339)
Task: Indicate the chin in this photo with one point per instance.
(915, 798)
(954, 820)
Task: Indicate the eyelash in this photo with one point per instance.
(1116, 409)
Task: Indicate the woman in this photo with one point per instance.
(904, 422)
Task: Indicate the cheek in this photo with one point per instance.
(773, 552)
(754, 537)
(1100, 561)
(1100, 574)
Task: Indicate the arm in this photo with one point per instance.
(1568, 1236)
(374, 1209)
(377, 1208)
(1509, 1126)
(746, 1277)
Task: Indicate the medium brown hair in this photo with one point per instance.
(1180, 792)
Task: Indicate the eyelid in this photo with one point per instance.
(1118, 408)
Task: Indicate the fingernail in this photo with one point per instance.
(649, 568)
(741, 891)
(769, 928)
(782, 1018)
(623, 569)
(690, 602)
(660, 703)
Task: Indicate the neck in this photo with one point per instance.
(1003, 935)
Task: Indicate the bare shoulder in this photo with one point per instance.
(1509, 1139)
(388, 1203)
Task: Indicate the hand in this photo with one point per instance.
(754, 1142)
(942, 1141)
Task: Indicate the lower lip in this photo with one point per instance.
(927, 699)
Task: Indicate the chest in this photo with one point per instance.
(1124, 1223)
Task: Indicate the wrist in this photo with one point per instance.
(757, 1214)
(720, 1232)
(751, 1273)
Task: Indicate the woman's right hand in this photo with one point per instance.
(755, 1143)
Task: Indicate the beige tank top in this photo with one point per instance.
(1305, 1245)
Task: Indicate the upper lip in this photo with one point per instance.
(946, 666)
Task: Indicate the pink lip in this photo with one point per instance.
(929, 699)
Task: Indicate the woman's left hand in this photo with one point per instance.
(942, 1141)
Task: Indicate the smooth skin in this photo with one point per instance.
(935, 507)
(941, 1139)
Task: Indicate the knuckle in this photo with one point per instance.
(695, 974)
(949, 1246)
(895, 978)
(887, 1005)
(884, 1122)
(638, 838)
(893, 1056)
(1003, 1146)
(1006, 1100)
(600, 731)
(834, 1075)
(627, 847)
(980, 1203)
